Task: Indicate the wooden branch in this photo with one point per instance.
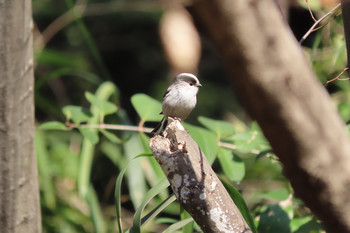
(312, 29)
(279, 90)
(194, 183)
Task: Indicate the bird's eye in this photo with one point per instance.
(191, 84)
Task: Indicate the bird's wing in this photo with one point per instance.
(167, 91)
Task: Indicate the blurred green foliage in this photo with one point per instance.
(95, 169)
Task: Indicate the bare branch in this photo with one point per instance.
(310, 11)
(112, 127)
(338, 76)
(312, 29)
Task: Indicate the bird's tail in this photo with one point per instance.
(159, 129)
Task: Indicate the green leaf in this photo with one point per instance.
(315, 5)
(344, 111)
(241, 205)
(53, 125)
(155, 173)
(305, 224)
(165, 220)
(114, 153)
(104, 106)
(118, 188)
(176, 226)
(206, 140)
(136, 176)
(155, 211)
(136, 228)
(185, 215)
(105, 91)
(76, 113)
(221, 128)
(274, 219)
(89, 134)
(146, 107)
(251, 140)
(144, 139)
(96, 212)
(276, 195)
(110, 136)
(263, 153)
(232, 165)
(45, 178)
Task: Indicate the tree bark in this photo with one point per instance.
(279, 90)
(194, 183)
(19, 192)
(345, 8)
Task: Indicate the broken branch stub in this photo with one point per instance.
(194, 183)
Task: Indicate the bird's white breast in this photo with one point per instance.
(180, 101)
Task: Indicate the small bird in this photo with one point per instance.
(179, 100)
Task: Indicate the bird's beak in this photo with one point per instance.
(199, 85)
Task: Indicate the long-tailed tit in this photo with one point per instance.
(179, 100)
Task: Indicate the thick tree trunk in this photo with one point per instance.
(277, 86)
(345, 8)
(19, 192)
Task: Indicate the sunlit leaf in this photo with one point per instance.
(314, 5)
(205, 139)
(165, 220)
(232, 165)
(155, 211)
(136, 176)
(105, 91)
(91, 135)
(276, 195)
(136, 228)
(53, 125)
(77, 113)
(110, 136)
(221, 128)
(344, 111)
(146, 107)
(305, 225)
(177, 226)
(104, 106)
(263, 154)
(118, 188)
(251, 140)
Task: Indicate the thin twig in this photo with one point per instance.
(142, 129)
(112, 127)
(317, 22)
(308, 7)
(234, 147)
(227, 145)
(323, 25)
(338, 76)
